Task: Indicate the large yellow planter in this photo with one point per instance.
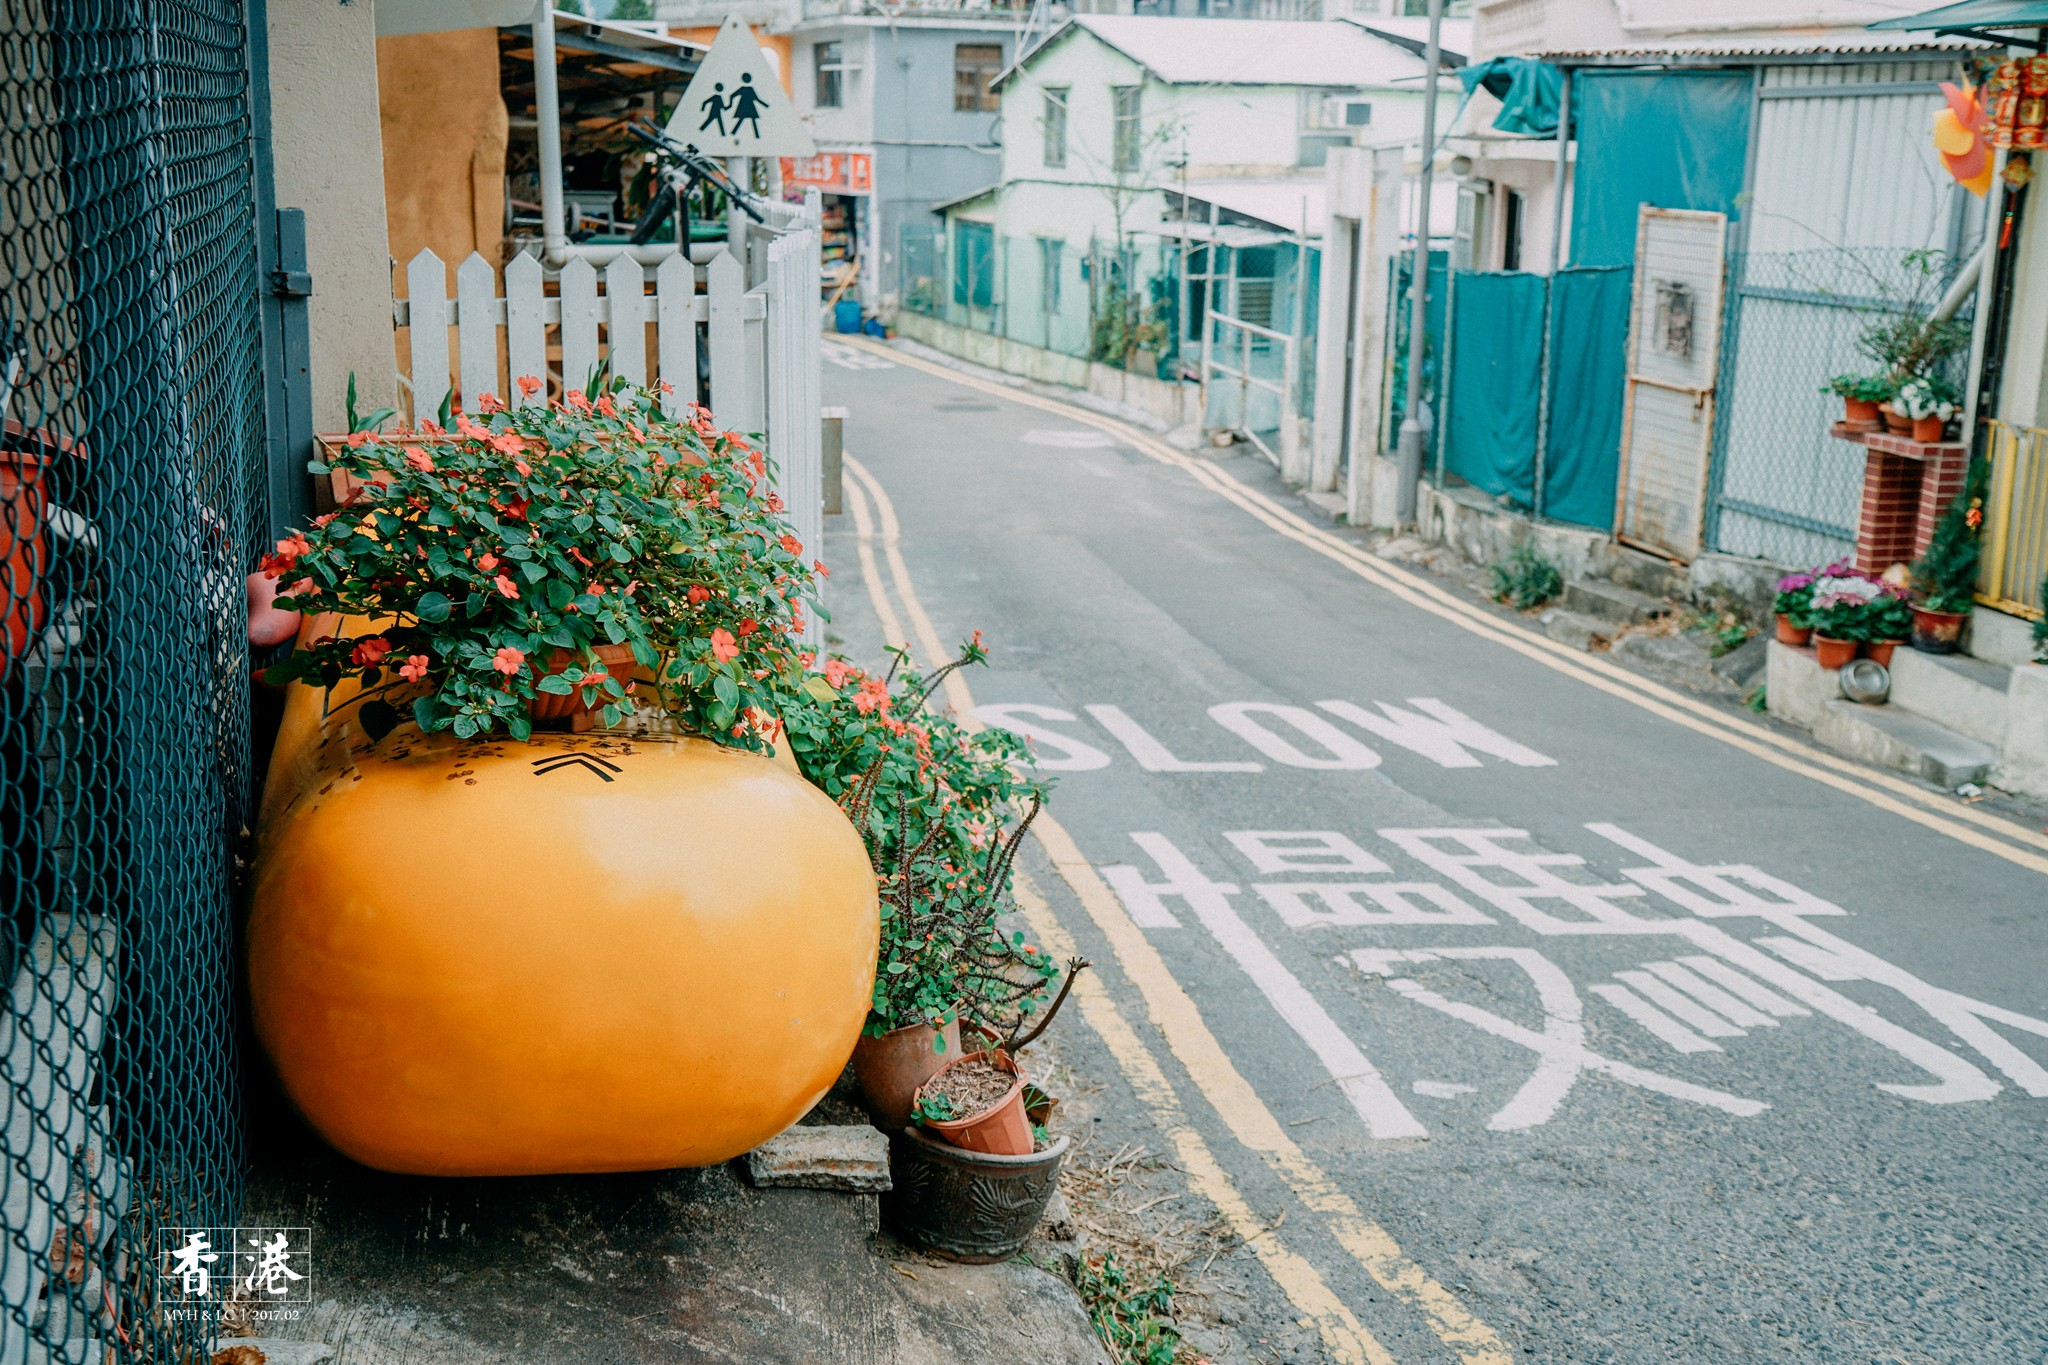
(586, 953)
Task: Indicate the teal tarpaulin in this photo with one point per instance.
(1491, 440)
(1588, 383)
(1497, 362)
(1674, 140)
(1527, 89)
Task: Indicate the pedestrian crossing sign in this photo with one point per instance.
(735, 106)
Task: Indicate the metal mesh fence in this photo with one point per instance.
(1783, 489)
(130, 500)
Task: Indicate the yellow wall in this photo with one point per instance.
(444, 146)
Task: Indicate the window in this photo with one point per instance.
(1126, 135)
(1049, 250)
(1055, 126)
(975, 66)
(829, 61)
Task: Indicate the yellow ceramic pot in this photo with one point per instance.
(597, 952)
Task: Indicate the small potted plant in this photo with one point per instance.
(1793, 606)
(1930, 401)
(1860, 395)
(1841, 616)
(928, 795)
(1945, 575)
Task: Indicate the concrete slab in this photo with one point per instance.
(1965, 694)
(1887, 737)
(853, 1157)
(1613, 602)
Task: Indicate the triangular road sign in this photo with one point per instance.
(735, 106)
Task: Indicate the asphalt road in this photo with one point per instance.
(1561, 1022)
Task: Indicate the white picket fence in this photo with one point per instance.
(762, 342)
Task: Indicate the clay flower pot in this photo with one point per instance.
(890, 1068)
(1928, 430)
(1937, 632)
(550, 706)
(1001, 1129)
(1791, 634)
(968, 1206)
(1894, 420)
(1861, 413)
(1832, 654)
(1880, 651)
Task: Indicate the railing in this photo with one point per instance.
(1251, 341)
(759, 346)
(2016, 521)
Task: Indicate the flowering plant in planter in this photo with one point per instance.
(933, 801)
(496, 560)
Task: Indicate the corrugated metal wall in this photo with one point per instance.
(1844, 182)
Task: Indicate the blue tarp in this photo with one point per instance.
(1527, 89)
(1672, 139)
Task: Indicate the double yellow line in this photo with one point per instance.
(1174, 1014)
(1933, 810)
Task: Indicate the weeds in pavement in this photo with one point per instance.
(1132, 1314)
(1526, 579)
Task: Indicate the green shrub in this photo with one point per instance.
(1526, 579)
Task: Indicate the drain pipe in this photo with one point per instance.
(548, 105)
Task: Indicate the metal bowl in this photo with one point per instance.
(1865, 680)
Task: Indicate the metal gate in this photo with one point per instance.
(132, 500)
(1673, 361)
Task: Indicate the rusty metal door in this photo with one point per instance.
(1667, 426)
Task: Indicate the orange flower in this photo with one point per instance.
(415, 666)
(506, 586)
(420, 460)
(529, 384)
(723, 647)
(369, 652)
(509, 660)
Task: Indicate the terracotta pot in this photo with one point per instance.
(1861, 413)
(550, 706)
(1929, 430)
(1938, 632)
(24, 552)
(575, 955)
(1002, 1129)
(890, 1068)
(1790, 634)
(967, 1206)
(1894, 420)
(1880, 651)
(1832, 654)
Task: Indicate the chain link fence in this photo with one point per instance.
(131, 500)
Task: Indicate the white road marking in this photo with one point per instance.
(1393, 903)
(1341, 750)
(1155, 757)
(1316, 850)
(1384, 1114)
(1675, 1035)
(1748, 987)
(1445, 736)
(1072, 756)
(1560, 1046)
(1710, 995)
(1679, 1006)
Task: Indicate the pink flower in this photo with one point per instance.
(415, 666)
(723, 647)
(509, 660)
(369, 652)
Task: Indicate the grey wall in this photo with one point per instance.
(914, 120)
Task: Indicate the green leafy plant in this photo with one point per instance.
(1945, 575)
(1526, 579)
(476, 567)
(1133, 1318)
(1864, 388)
(942, 810)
